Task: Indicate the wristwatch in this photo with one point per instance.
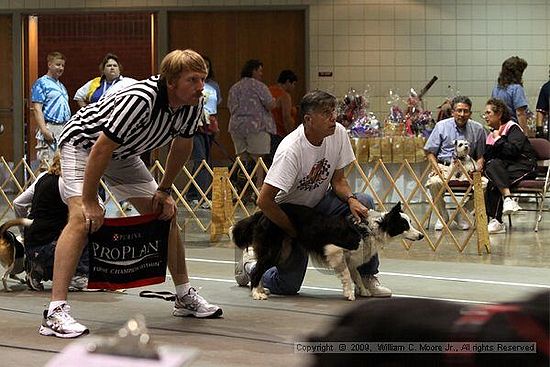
(166, 190)
(351, 196)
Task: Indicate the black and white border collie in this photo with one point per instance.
(340, 242)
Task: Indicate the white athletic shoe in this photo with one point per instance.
(241, 276)
(510, 206)
(495, 226)
(61, 324)
(374, 287)
(192, 304)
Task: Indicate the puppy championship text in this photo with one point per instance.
(415, 347)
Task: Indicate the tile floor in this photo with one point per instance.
(263, 332)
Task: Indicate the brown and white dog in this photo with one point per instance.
(12, 252)
(338, 241)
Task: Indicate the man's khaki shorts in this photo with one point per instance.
(254, 143)
(126, 178)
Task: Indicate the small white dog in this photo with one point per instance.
(462, 154)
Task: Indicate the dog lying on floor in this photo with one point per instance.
(407, 320)
(340, 242)
(12, 252)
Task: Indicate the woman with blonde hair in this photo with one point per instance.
(42, 202)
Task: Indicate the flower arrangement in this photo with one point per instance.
(418, 121)
(354, 115)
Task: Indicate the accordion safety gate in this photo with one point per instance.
(231, 196)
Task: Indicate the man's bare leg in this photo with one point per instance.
(57, 321)
(68, 250)
(188, 301)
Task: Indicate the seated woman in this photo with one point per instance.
(42, 203)
(509, 158)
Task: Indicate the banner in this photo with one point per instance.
(128, 252)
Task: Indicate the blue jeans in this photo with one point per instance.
(287, 278)
(201, 150)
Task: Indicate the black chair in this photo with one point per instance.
(537, 187)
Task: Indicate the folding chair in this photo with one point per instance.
(537, 187)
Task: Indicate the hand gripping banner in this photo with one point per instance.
(128, 252)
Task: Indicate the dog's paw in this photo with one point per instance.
(258, 295)
(349, 293)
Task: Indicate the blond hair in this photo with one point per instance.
(55, 55)
(55, 167)
(181, 60)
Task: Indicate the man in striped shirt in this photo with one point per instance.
(106, 139)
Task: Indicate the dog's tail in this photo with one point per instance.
(242, 232)
(14, 222)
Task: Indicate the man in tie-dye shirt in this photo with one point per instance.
(50, 103)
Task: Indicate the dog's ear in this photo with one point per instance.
(392, 215)
(455, 142)
(397, 207)
(395, 211)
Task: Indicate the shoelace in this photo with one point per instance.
(64, 314)
(376, 281)
(196, 296)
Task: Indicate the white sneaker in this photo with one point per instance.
(241, 276)
(463, 224)
(192, 304)
(78, 283)
(495, 226)
(61, 324)
(374, 287)
(510, 206)
(438, 225)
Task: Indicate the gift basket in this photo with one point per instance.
(353, 112)
(402, 135)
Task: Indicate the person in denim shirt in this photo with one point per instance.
(509, 89)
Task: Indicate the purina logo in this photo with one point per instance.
(125, 255)
(125, 237)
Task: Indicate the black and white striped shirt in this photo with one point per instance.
(138, 118)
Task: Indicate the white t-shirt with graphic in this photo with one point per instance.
(303, 171)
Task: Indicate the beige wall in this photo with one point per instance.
(395, 44)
